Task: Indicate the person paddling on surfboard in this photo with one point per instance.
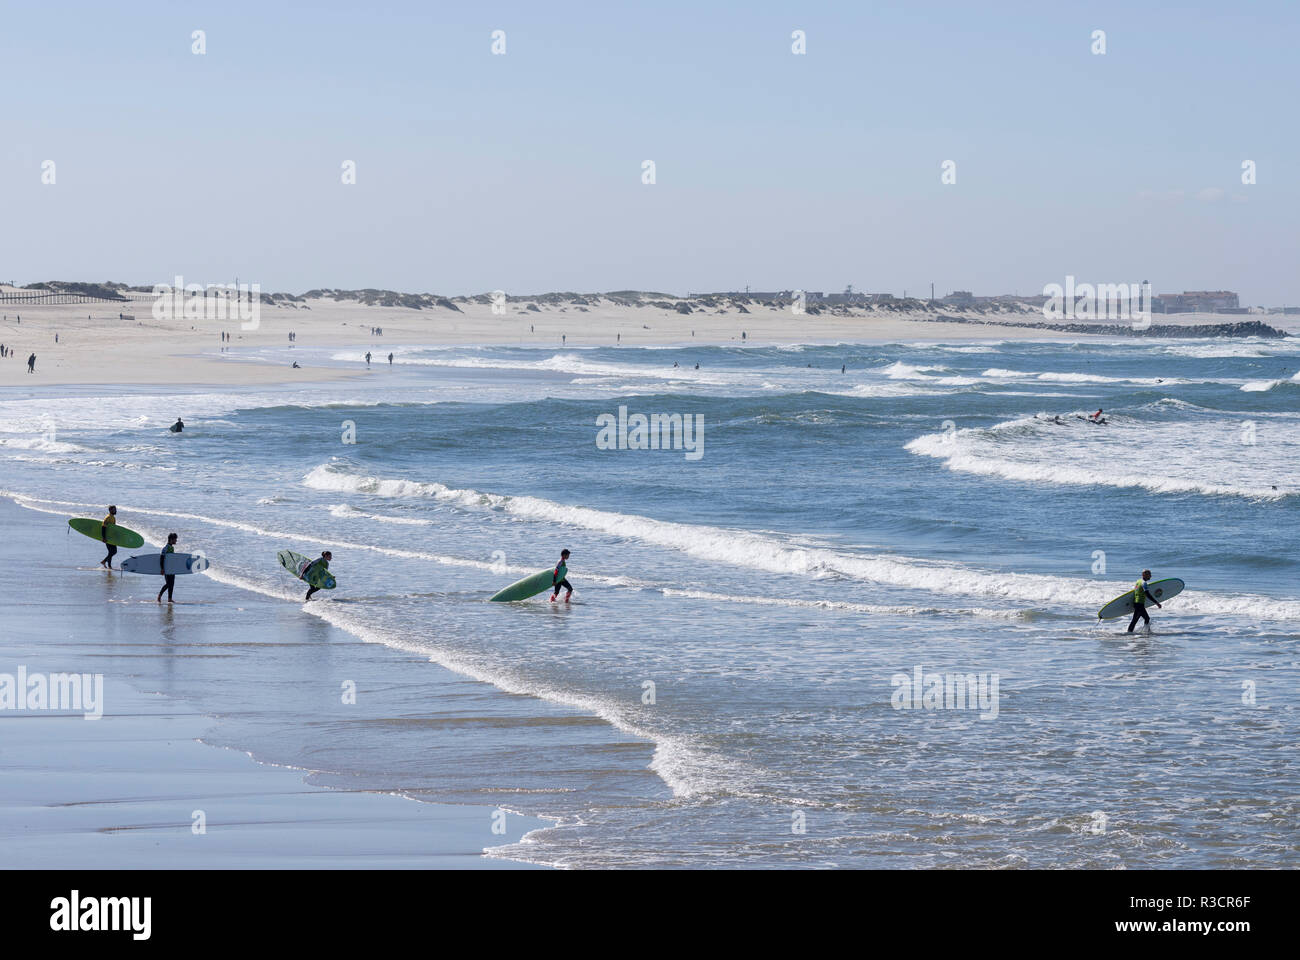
(169, 579)
(109, 521)
(322, 563)
(559, 578)
(1140, 602)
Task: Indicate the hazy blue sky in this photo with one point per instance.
(523, 171)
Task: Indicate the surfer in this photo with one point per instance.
(323, 562)
(1097, 417)
(178, 426)
(559, 578)
(109, 521)
(368, 357)
(1140, 602)
(390, 359)
(169, 579)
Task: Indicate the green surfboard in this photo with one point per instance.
(529, 586)
(118, 536)
(296, 563)
(1158, 591)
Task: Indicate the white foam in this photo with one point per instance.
(773, 555)
(1173, 459)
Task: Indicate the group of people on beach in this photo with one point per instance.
(559, 576)
(31, 360)
(169, 579)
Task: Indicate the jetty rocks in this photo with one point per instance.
(1241, 328)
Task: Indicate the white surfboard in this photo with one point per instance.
(176, 563)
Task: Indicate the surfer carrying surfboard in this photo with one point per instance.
(321, 563)
(169, 579)
(1140, 601)
(109, 521)
(559, 578)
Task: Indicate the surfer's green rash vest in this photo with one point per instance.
(559, 573)
(1140, 591)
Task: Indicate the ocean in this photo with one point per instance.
(762, 615)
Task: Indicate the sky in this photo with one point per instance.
(523, 171)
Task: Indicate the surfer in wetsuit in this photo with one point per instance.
(178, 426)
(323, 563)
(109, 521)
(1140, 602)
(559, 578)
(1097, 417)
(169, 579)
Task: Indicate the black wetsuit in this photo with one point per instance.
(1139, 610)
(169, 579)
(112, 549)
(306, 570)
(559, 579)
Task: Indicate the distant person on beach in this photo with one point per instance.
(367, 359)
(295, 365)
(31, 363)
(1140, 602)
(559, 578)
(390, 359)
(842, 367)
(109, 521)
(169, 579)
(323, 563)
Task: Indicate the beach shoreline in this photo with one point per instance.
(96, 346)
(152, 782)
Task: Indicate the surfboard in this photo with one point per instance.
(296, 563)
(1159, 590)
(118, 536)
(529, 586)
(176, 563)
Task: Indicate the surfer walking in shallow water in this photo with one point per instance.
(1140, 602)
(169, 579)
(109, 521)
(559, 578)
(322, 563)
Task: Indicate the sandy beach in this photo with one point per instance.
(95, 346)
(125, 790)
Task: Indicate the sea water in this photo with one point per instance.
(858, 630)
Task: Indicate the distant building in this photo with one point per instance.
(1196, 301)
